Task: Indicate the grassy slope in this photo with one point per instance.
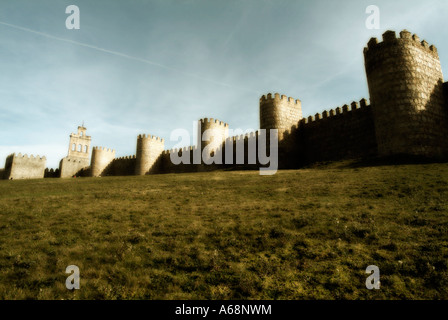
(306, 234)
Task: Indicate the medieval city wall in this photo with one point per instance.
(343, 133)
(124, 166)
(407, 115)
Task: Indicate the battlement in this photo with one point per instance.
(75, 135)
(133, 157)
(279, 97)
(177, 150)
(30, 157)
(390, 37)
(216, 121)
(104, 149)
(250, 135)
(346, 109)
(150, 137)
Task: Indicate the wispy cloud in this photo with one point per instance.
(126, 56)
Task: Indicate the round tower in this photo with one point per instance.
(212, 135)
(279, 112)
(101, 158)
(149, 148)
(406, 93)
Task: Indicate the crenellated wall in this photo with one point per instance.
(18, 166)
(101, 159)
(166, 165)
(124, 166)
(342, 133)
(52, 173)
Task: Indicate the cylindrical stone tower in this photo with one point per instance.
(406, 93)
(101, 158)
(279, 112)
(149, 149)
(215, 132)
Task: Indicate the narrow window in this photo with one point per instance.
(85, 149)
(79, 148)
(73, 147)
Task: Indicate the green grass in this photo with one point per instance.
(303, 234)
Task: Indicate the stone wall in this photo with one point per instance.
(71, 166)
(18, 166)
(124, 166)
(343, 133)
(52, 173)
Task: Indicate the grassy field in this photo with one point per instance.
(304, 234)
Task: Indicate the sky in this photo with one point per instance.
(155, 66)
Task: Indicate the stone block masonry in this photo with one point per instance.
(406, 91)
(101, 160)
(343, 133)
(18, 166)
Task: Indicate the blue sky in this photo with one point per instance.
(154, 66)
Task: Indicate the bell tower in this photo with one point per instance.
(78, 157)
(79, 144)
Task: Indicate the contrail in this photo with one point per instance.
(123, 55)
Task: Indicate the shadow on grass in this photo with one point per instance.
(376, 162)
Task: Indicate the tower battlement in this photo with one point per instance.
(150, 137)
(390, 38)
(214, 121)
(279, 97)
(103, 149)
